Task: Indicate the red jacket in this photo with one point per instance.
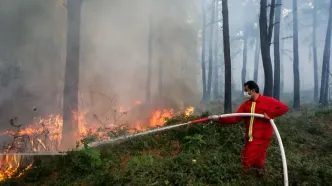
(258, 127)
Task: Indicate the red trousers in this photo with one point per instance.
(254, 153)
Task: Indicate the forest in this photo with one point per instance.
(79, 72)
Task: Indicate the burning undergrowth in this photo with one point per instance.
(45, 134)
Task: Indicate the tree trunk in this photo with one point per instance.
(216, 58)
(296, 102)
(276, 85)
(314, 50)
(221, 65)
(266, 35)
(257, 49)
(227, 59)
(203, 53)
(326, 62)
(209, 83)
(244, 60)
(282, 77)
(148, 81)
(70, 93)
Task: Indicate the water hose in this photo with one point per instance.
(281, 146)
(127, 137)
(213, 117)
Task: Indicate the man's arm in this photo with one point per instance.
(233, 119)
(276, 108)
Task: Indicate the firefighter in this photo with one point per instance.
(259, 131)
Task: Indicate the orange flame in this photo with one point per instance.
(45, 134)
(160, 117)
(189, 111)
(9, 166)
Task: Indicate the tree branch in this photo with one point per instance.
(288, 37)
(276, 23)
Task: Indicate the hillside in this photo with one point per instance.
(207, 154)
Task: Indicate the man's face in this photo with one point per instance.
(249, 92)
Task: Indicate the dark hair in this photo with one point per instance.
(252, 85)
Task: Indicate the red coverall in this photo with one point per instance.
(259, 131)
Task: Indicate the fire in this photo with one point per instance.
(160, 117)
(24, 170)
(9, 166)
(189, 111)
(45, 134)
(80, 118)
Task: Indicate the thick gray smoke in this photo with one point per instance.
(113, 55)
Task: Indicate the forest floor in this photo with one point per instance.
(206, 154)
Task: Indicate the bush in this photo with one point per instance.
(207, 154)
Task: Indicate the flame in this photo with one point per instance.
(80, 118)
(45, 134)
(9, 166)
(160, 117)
(24, 170)
(189, 111)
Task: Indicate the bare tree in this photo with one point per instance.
(70, 94)
(282, 71)
(216, 62)
(296, 101)
(314, 49)
(266, 31)
(276, 85)
(203, 52)
(209, 82)
(244, 60)
(257, 49)
(326, 62)
(227, 59)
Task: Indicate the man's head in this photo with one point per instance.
(251, 90)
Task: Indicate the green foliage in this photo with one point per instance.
(204, 154)
(89, 139)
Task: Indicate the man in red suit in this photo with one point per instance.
(259, 131)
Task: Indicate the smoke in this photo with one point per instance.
(113, 55)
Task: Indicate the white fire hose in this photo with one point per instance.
(281, 146)
(214, 117)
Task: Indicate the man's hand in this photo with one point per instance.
(266, 116)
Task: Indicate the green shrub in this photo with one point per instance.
(204, 154)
